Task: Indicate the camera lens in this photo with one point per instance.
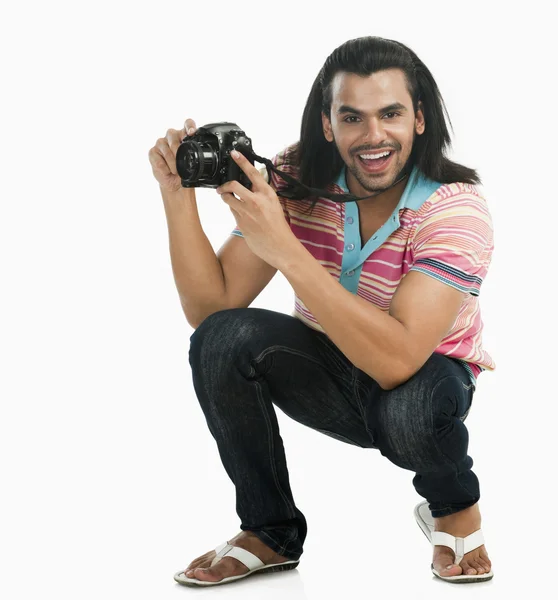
(196, 161)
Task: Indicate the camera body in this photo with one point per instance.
(204, 160)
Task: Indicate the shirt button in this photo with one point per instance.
(350, 220)
(350, 247)
(350, 273)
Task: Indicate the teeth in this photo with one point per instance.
(372, 156)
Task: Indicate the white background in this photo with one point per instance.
(110, 479)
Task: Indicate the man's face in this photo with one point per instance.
(370, 115)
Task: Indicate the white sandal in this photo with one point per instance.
(460, 546)
(246, 558)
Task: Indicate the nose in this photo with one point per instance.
(375, 132)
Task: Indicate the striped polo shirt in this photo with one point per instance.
(442, 230)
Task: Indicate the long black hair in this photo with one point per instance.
(319, 162)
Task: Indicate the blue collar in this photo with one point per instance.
(418, 189)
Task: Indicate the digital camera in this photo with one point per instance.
(204, 160)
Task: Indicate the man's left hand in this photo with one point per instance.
(259, 215)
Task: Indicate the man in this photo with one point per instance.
(384, 346)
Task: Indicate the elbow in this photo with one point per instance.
(391, 384)
(193, 320)
(399, 378)
(193, 324)
(391, 380)
(194, 317)
(388, 385)
(197, 319)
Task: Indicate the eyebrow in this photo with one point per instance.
(344, 108)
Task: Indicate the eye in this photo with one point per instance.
(392, 113)
(347, 119)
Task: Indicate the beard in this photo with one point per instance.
(368, 184)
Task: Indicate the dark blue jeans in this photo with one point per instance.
(246, 360)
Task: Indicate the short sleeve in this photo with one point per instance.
(454, 242)
(276, 183)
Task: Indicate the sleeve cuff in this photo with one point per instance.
(447, 274)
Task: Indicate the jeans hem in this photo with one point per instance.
(450, 510)
(268, 541)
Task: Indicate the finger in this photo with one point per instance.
(231, 199)
(265, 175)
(251, 172)
(173, 140)
(189, 128)
(237, 188)
(158, 162)
(166, 153)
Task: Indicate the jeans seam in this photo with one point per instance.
(357, 388)
(271, 448)
(333, 357)
(265, 352)
(342, 437)
(361, 387)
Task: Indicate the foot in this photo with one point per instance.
(229, 567)
(460, 524)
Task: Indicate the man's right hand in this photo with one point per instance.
(163, 156)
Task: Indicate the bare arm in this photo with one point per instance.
(197, 271)
(209, 282)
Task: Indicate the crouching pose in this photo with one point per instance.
(384, 346)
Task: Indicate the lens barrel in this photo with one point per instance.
(196, 161)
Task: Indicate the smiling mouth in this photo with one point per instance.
(373, 165)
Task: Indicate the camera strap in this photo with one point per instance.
(298, 190)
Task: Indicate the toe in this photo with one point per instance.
(190, 568)
(450, 571)
(477, 566)
(485, 564)
(226, 567)
(207, 574)
(201, 561)
(468, 568)
(443, 563)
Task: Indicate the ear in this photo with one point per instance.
(326, 125)
(420, 124)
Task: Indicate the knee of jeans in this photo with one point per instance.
(406, 426)
(448, 397)
(222, 331)
(414, 421)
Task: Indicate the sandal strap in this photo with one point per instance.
(251, 561)
(459, 545)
